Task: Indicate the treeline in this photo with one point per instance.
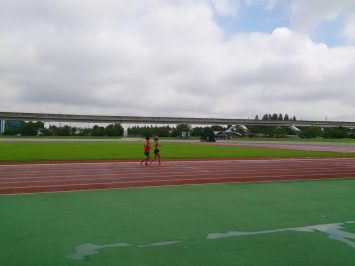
(328, 133)
(181, 130)
(305, 132)
(38, 128)
(137, 131)
(276, 117)
(112, 130)
(269, 131)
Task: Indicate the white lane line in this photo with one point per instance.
(173, 185)
(169, 171)
(196, 164)
(175, 161)
(193, 171)
(204, 165)
(222, 179)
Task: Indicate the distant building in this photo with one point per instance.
(13, 124)
(10, 126)
(2, 127)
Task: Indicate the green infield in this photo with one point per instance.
(47, 151)
(269, 224)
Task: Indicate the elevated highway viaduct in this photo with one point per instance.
(165, 120)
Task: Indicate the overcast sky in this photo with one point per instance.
(196, 58)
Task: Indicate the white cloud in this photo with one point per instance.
(307, 15)
(349, 29)
(164, 58)
(268, 4)
(226, 7)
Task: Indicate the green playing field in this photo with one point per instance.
(47, 151)
(279, 223)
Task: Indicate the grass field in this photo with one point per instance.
(46, 151)
(43, 229)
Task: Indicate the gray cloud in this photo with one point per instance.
(165, 58)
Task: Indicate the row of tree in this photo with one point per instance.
(329, 133)
(181, 130)
(38, 128)
(306, 132)
(112, 130)
(276, 117)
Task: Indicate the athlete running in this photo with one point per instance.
(156, 150)
(146, 151)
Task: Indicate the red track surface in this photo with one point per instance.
(48, 177)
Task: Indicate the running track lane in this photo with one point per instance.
(52, 177)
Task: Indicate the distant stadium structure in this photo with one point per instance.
(294, 129)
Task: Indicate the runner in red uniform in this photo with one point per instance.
(146, 151)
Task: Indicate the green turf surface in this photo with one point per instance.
(42, 229)
(39, 151)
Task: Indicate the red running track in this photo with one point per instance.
(51, 177)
